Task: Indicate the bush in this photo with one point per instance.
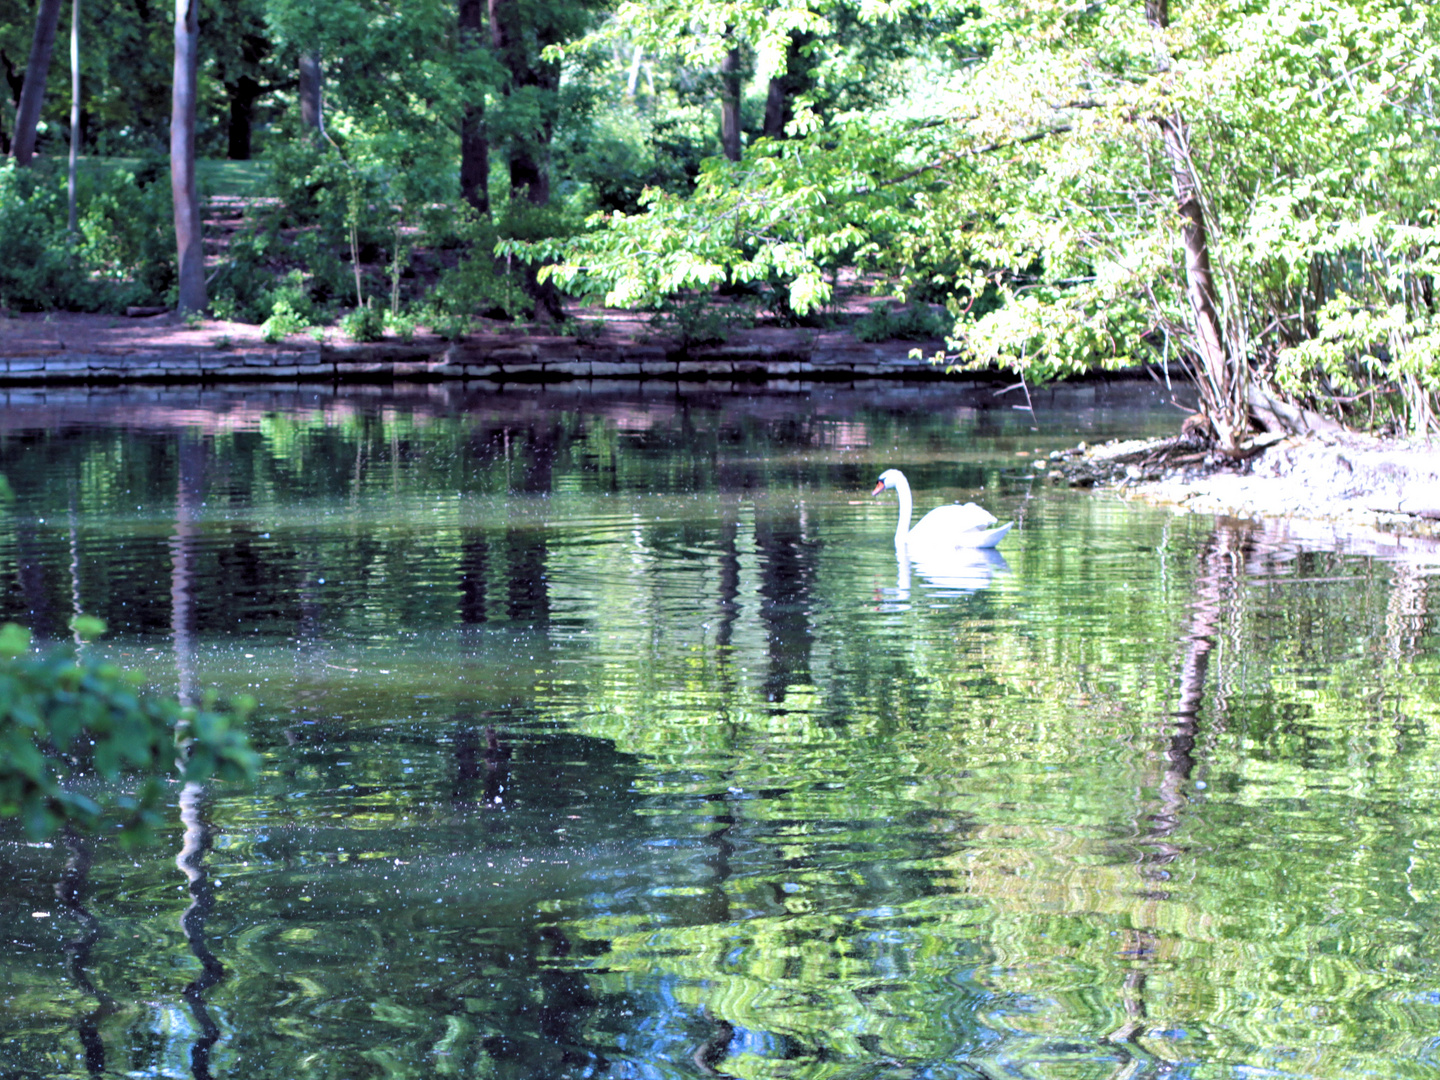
(241, 288)
(917, 322)
(699, 320)
(477, 286)
(127, 228)
(284, 320)
(401, 325)
(447, 327)
(124, 252)
(40, 268)
(293, 292)
(364, 324)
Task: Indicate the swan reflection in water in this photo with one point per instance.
(955, 573)
(961, 572)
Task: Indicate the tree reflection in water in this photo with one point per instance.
(589, 750)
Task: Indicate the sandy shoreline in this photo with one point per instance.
(1330, 479)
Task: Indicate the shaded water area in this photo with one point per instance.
(603, 736)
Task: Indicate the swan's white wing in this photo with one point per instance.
(968, 532)
(946, 521)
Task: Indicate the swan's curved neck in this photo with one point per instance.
(902, 527)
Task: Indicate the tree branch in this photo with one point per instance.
(956, 155)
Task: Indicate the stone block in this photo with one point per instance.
(67, 365)
(619, 368)
(508, 357)
(574, 369)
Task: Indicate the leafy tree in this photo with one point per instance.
(1244, 188)
(71, 726)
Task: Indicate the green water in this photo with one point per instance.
(1147, 796)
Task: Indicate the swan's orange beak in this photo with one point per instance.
(879, 487)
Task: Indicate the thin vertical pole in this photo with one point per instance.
(190, 252)
(74, 107)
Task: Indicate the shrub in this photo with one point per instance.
(123, 252)
(401, 325)
(293, 292)
(916, 322)
(447, 327)
(481, 283)
(40, 268)
(127, 231)
(242, 288)
(699, 320)
(284, 320)
(364, 324)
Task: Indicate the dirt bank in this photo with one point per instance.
(1341, 478)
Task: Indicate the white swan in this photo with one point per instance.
(946, 527)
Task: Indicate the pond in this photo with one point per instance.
(604, 737)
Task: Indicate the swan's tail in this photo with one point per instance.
(985, 538)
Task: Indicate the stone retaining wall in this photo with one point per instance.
(754, 355)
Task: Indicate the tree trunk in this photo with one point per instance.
(242, 95)
(1199, 278)
(189, 244)
(312, 79)
(778, 110)
(528, 150)
(1223, 388)
(632, 81)
(474, 142)
(786, 86)
(730, 104)
(15, 80)
(32, 93)
(74, 114)
(529, 177)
